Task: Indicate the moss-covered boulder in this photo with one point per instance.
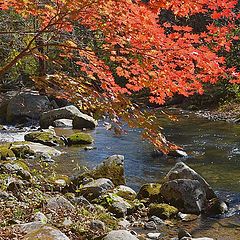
(112, 168)
(125, 192)
(6, 153)
(22, 151)
(80, 138)
(162, 210)
(46, 138)
(116, 205)
(46, 232)
(150, 192)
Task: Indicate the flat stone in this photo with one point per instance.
(120, 235)
(46, 232)
(154, 235)
(59, 203)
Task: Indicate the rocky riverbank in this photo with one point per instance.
(39, 203)
(93, 204)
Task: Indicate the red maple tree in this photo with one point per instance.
(134, 49)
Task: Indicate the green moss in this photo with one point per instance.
(80, 138)
(162, 210)
(5, 152)
(150, 191)
(22, 164)
(113, 171)
(22, 151)
(46, 138)
(60, 180)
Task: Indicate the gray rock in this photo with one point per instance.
(125, 192)
(97, 225)
(183, 233)
(119, 208)
(157, 220)
(31, 226)
(46, 232)
(113, 168)
(182, 171)
(63, 123)
(154, 236)
(39, 148)
(151, 225)
(68, 112)
(187, 195)
(40, 217)
(71, 112)
(82, 201)
(27, 105)
(120, 235)
(59, 203)
(96, 188)
(124, 224)
(81, 121)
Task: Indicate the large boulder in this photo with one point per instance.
(113, 168)
(46, 138)
(187, 195)
(80, 120)
(182, 171)
(46, 232)
(36, 148)
(149, 192)
(162, 210)
(120, 235)
(79, 138)
(95, 188)
(116, 205)
(25, 106)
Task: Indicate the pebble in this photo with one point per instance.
(154, 235)
(150, 225)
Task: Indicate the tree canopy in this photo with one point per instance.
(103, 51)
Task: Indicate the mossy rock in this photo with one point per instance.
(22, 151)
(162, 210)
(5, 152)
(150, 191)
(46, 138)
(60, 180)
(22, 164)
(112, 168)
(47, 233)
(80, 138)
(125, 192)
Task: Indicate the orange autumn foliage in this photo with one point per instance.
(164, 58)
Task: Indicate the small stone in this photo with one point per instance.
(154, 235)
(157, 220)
(187, 217)
(150, 225)
(97, 225)
(125, 192)
(67, 222)
(183, 233)
(124, 224)
(82, 201)
(59, 203)
(120, 235)
(15, 185)
(40, 217)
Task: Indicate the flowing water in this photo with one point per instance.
(213, 151)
